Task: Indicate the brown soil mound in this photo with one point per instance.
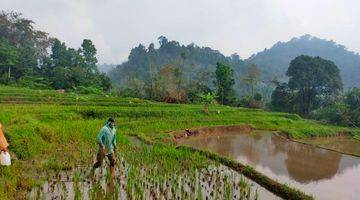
(212, 130)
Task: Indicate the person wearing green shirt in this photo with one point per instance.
(106, 139)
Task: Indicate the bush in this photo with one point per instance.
(336, 114)
(258, 97)
(250, 102)
(352, 98)
(34, 82)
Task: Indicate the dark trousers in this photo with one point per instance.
(100, 158)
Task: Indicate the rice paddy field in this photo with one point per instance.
(51, 133)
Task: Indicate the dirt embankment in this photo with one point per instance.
(214, 130)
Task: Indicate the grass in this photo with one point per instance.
(59, 132)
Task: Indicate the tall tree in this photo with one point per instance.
(311, 78)
(89, 53)
(224, 83)
(8, 59)
(251, 78)
(59, 54)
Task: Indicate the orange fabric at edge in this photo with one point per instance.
(3, 142)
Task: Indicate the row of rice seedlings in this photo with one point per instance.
(214, 182)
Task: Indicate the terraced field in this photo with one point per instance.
(50, 132)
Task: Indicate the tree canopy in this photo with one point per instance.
(311, 80)
(25, 60)
(224, 83)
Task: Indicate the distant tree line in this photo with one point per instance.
(178, 73)
(25, 60)
(175, 73)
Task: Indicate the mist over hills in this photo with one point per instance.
(273, 62)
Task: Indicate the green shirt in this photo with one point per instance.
(107, 138)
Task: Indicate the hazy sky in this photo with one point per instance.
(230, 26)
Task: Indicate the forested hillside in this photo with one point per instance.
(190, 67)
(275, 61)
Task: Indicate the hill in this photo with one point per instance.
(275, 61)
(195, 63)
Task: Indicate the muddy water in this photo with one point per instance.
(345, 144)
(322, 173)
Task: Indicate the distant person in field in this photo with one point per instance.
(3, 142)
(106, 139)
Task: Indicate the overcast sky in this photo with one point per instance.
(230, 26)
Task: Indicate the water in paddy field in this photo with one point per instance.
(210, 183)
(214, 182)
(322, 173)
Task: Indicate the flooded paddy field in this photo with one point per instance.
(213, 182)
(323, 173)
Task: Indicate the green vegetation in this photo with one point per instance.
(54, 136)
(25, 60)
(224, 84)
(281, 190)
(312, 81)
(342, 110)
(275, 61)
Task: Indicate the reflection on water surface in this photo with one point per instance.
(323, 173)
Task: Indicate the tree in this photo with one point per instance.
(282, 98)
(207, 99)
(8, 59)
(251, 78)
(59, 54)
(311, 78)
(89, 53)
(224, 83)
(352, 98)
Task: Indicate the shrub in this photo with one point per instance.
(336, 114)
(250, 102)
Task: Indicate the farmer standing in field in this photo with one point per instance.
(3, 142)
(106, 139)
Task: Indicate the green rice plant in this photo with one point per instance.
(52, 131)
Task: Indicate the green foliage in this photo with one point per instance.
(257, 97)
(207, 99)
(8, 59)
(352, 98)
(24, 59)
(34, 82)
(197, 65)
(282, 98)
(89, 53)
(224, 83)
(344, 111)
(251, 78)
(312, 77)
(50, 130)
(313, 82)
(336, 114)
(251, 102)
